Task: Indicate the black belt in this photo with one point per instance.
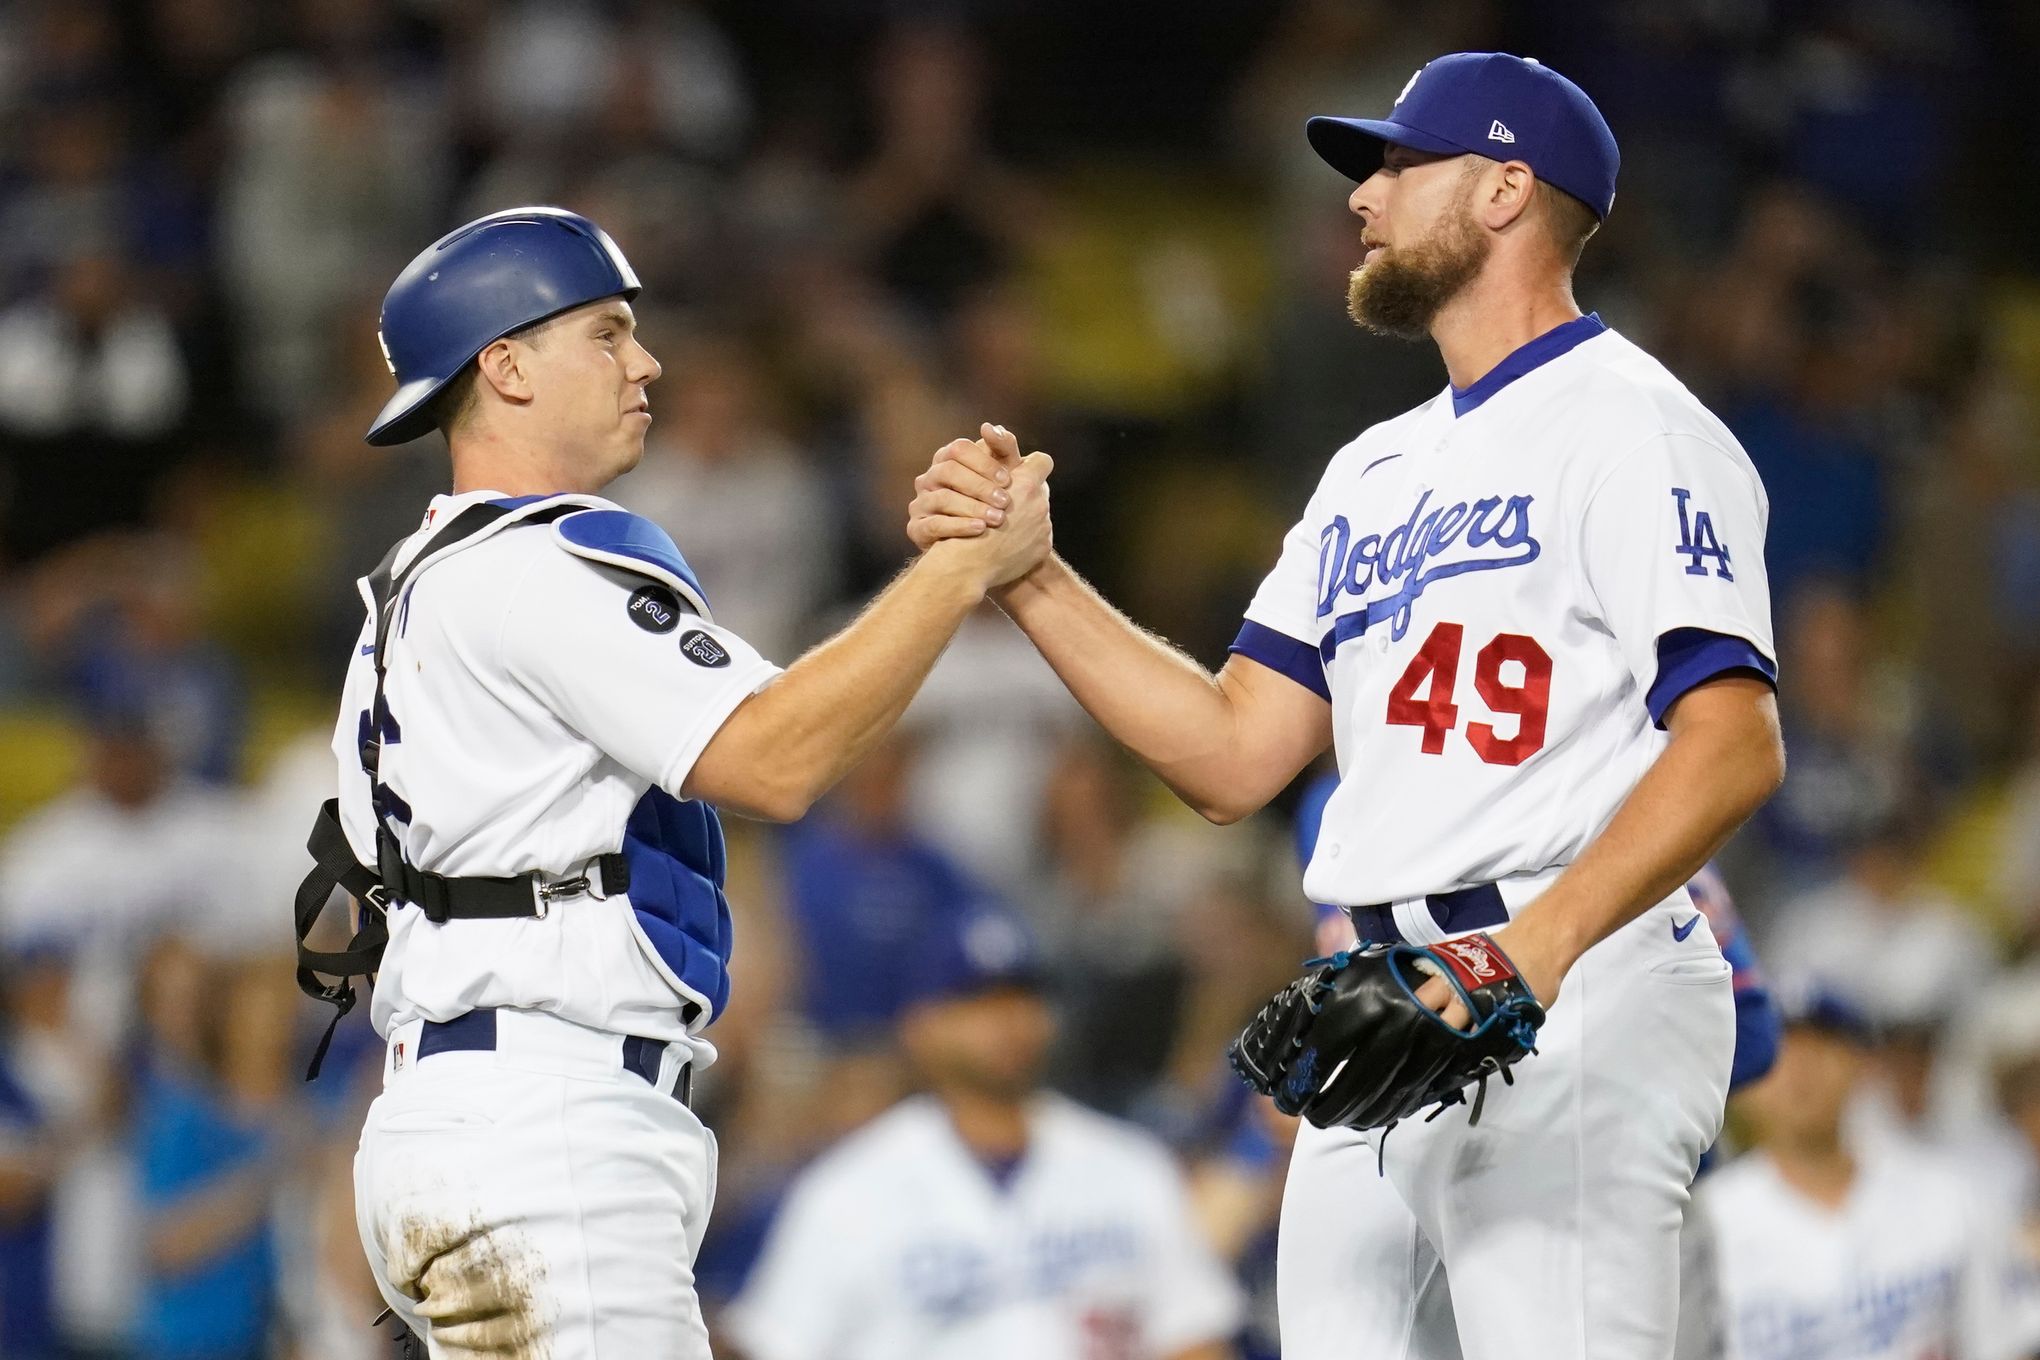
(1474, 908)
(476, 1032)
(447, 899)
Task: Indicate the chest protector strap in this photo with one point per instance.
(394, 879)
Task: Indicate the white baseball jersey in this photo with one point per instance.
(899, 1245)
(1501, 592)
(534, 696)
(1912, 1266)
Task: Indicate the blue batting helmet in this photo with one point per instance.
(477, 284)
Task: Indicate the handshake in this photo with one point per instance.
(985, 505)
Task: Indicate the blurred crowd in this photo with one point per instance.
(863, 228)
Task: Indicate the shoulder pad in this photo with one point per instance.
(632, 543)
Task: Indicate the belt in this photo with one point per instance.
(529, 894)
(1474, 908)
(476, 1031)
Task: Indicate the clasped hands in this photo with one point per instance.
(990, 502)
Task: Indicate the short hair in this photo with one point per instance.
(1568, 221)
(455, 402)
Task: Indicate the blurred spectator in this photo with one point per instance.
(862, 891)
(1236, 1193)
(986, 1219)
(386, 489)
(1824, 478)
(75, 184)
(93, 375)
(1108, 919)
(1899, 950)
(2014, 1070)
(987, 725)
(1829, 1249)
(1852, 759)
(29, 1147)
(748, 509)
(118, 622)
(61, 889)
(1973, 545)
(86, 1268)
(337, 169)
(2018, 882)
(934, 207)
(89, 356)
(206, 1158)
(542, 72)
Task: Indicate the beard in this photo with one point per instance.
(1407, 286)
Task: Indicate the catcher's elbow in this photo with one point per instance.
(786, 803)
(1220, 813)
(779, 798)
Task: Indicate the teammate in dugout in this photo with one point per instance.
(539, 716)
(1532, 617)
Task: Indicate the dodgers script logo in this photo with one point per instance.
(1492, 533)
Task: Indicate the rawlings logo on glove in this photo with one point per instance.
(1349, 1045)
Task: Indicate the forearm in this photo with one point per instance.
(1161, 705)
(209, 1221)
(794, 739)
(1716, 771)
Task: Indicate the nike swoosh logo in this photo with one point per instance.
(1680, 932)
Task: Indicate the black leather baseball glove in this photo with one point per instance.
(1349, 1045)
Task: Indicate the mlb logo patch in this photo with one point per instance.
(397, 1058)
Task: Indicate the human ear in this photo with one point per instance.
(1506, 197)
(502, 368)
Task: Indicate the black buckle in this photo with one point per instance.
(433, 899)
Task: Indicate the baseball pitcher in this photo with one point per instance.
(1531, 616)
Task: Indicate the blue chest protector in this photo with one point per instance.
(677, 862)
(675, 846)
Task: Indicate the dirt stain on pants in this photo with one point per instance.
(481, 1292)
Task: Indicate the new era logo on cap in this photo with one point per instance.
(1489, 104)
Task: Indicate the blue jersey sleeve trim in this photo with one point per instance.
(1280, 652)
(1688, 657)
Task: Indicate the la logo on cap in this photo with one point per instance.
(1408, 85)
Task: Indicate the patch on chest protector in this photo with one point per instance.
(654, 609)
(703, 650)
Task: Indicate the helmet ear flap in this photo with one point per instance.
(480, 282)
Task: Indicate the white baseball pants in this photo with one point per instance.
(1550, 1231)
(538, 1201)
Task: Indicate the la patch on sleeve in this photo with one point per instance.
(1697, 539)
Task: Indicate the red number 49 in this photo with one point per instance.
(1437, 661)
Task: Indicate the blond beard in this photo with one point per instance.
(1403, 290)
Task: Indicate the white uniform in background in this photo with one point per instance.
(1501, 593)
(899, 1245)
(549, 687)
(1914, 1265)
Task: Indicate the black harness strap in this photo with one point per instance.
(394, 879)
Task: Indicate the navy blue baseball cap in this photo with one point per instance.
(977, 948)
(1491, 104)
(1815, 1003)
